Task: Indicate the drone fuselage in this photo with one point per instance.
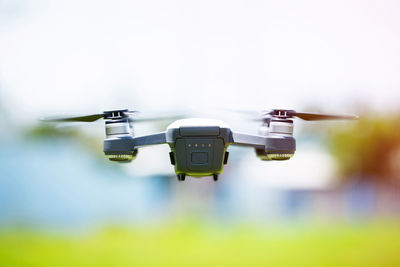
(198, 146)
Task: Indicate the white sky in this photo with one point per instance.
(77, 56)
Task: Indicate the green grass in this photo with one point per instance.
(204, 245)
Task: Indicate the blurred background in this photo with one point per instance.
(337, 202)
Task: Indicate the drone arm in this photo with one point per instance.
(243, 139)
(151, 139)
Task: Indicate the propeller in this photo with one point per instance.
(112, 114)
(108, 115)
(85, 118)
(286, 114)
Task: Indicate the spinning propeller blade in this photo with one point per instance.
(318, 117)
(85, 118)
(284, 114)
(110, 115)
(287, 114)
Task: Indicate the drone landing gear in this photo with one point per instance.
(181, 177)
(215, 177)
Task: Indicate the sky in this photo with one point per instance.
(198, 57)
(81, 56)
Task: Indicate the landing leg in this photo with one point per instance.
(181, 177)
(215, 176)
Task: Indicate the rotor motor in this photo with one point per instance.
(281, 148)
(119, 143)
(281, 127)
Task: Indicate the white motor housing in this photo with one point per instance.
(281, 148)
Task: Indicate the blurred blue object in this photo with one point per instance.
(57, 183)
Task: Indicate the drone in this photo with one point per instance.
(199, 147)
